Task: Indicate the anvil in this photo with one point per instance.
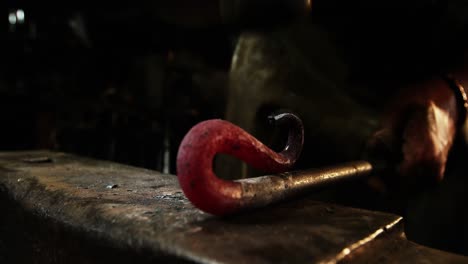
(62, 208)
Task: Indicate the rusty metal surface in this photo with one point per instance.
(145, 212)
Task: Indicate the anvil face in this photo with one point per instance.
(75, 210)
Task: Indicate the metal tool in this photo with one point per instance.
(220, 197)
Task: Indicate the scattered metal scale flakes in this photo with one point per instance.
(62, 210)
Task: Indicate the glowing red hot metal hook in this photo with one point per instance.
(220, 197)
(198, 148)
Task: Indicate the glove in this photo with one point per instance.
(416, 134)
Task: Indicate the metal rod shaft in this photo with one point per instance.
(264, 190)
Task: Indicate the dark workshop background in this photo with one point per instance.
(117, 83)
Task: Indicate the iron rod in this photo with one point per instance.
(264, 190)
